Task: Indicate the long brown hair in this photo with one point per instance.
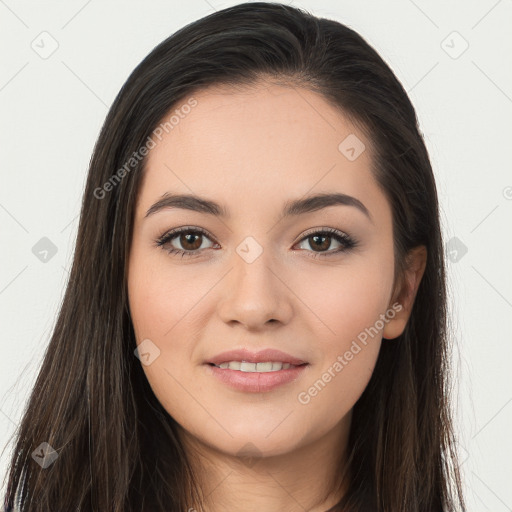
(118, 449)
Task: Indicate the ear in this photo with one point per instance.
(405, 291)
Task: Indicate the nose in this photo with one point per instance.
(255, 293)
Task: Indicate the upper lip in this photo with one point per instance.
(268, 354)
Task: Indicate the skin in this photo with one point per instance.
(252, 150)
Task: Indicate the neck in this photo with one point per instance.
(308, 478)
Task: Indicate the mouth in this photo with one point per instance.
(266, 360)
(260, 367)
(261, 377)
(255, 372)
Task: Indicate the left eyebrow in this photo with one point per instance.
(291, 208)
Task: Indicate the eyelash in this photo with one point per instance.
(347, 242)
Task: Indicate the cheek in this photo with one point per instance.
(351, 313)
(160, 297)
(330, 394)
(158, 310)
(350, 305)
(347, 299)
(164, 308)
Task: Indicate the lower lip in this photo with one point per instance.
(254, 382)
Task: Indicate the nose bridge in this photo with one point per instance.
(253, 293)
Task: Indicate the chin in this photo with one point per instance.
(253, 443)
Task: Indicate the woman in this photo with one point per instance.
(256, 312)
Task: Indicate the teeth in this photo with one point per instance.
(264, 367)
(244, 366)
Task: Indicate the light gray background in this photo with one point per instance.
(53, 107)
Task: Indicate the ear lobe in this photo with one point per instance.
(416, 261)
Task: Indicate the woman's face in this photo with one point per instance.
(255, 279)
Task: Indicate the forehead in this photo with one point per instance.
(263, 141)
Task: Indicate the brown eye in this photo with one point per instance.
(189, 241)
(320, 241)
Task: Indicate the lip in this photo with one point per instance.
(268, 354)
(255, 382)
